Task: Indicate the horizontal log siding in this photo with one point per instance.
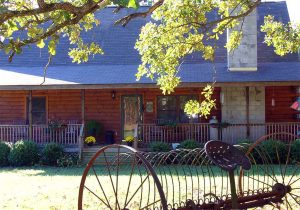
(150, 95)
(66, 105)
(12, 106)
(284, 97)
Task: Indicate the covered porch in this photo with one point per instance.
(67, 135)
(203, 132)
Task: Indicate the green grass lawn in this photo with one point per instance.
(39, 188)
(57, 188)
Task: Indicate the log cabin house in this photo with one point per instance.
(254, 90)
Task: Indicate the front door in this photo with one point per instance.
(131, 114)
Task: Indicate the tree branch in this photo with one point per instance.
(125, 20)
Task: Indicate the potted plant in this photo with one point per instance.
(93, 128)
(220, 125)
(56, 125)
(90, 140)
(129, 140)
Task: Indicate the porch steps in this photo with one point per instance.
(89, 152)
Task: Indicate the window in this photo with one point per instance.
(171, 108)
(38, 110)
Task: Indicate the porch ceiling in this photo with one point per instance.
(123, 76)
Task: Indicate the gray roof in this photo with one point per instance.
(125, 74)
(119, 63)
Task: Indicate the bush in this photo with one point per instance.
(23, 153)
(4, 152)
(295, 150)
(93, 128)
(68, 160)
(157, 146)
(190, 144)
(51, 153)
(270, 148)
(244, 145)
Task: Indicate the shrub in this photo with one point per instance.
(93, 128)
(295, 150)
(270, 148)
(244, 145)
(4, 152)
(157, 146)
(23, 153)
(190, 144)
(51, 153)
(67, 160)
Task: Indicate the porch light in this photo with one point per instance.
(273, 102)
(113, 95)
(296, 105)
(222, 97)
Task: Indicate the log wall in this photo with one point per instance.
(66, 105)
(284, 97)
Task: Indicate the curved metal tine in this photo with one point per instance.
(191, 158)
(130, 177)
(288, 203)
(297, 201)
(146, 207)
(138, 188)
(279, 162)
(111, 180)
(106, 204)
(185, 177)
(267, 164)
(171, 161)
(160, 164)
(172, 158)
(294, 173)
(100, 186)
(204, 161)
(287, 160)
(197, 162)
(178, 177)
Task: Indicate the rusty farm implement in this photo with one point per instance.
(219, 176)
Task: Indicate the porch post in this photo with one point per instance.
(30, 114)
(247, 111)
(82, 106)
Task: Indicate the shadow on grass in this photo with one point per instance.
(175, 170)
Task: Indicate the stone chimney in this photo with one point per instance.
(244, 58)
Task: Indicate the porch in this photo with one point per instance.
(68, 135)
(203, 132)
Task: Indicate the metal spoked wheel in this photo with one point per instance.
(122, 179)
(275, 167)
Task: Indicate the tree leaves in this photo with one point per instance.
(40, 44)
(127, 3)
(284, 38)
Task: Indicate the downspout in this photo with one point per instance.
(30, 114)
(248, 111)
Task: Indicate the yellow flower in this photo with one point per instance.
(90, 139)
(129, 139)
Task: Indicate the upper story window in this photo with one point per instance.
(38, 110)
(171, 108)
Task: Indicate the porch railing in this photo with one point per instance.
(41, 134)
(202, 132)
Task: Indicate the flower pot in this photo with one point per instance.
(90, 144)
(130, 144)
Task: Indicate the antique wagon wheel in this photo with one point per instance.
(122, 179)
(274, 166)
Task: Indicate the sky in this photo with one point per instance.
(293, 7)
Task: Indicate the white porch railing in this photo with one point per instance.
(201, 132)
(41, 134)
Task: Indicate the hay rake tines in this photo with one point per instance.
(194, 179)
